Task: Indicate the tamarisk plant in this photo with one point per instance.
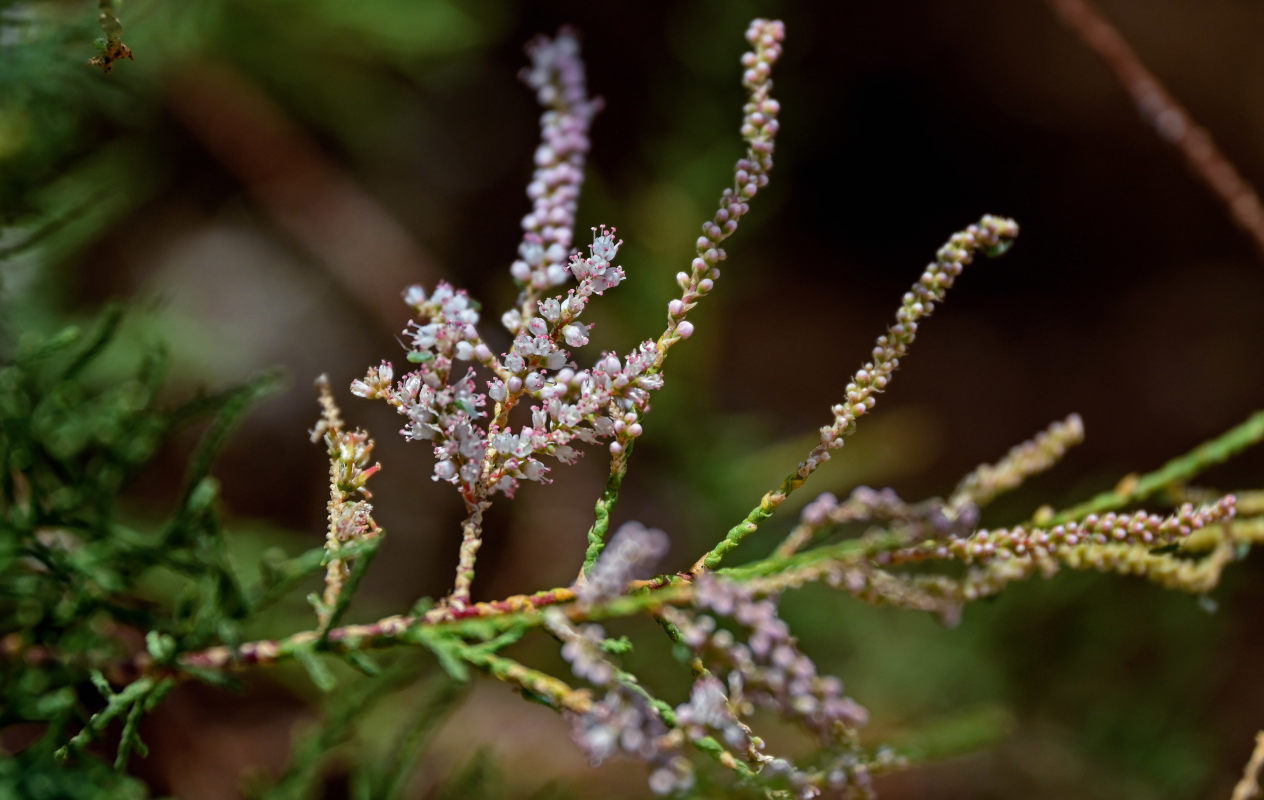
(534, 404)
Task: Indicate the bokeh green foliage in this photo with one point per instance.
(72, 566)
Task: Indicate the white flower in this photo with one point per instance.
(444, 470)
(576, 334)
(604, 247)
(414, 295)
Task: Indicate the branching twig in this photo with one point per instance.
(1166, 115)
(1175, 472)
(992, 235)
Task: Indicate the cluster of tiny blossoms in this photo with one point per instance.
(632, 550)
(764, 669)
(444, 406)
(350, 512)
(557, 76)
(626, 719)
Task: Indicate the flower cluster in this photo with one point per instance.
(632, 552)
(574, 406)
(768, 669)
(625, 720)
(557, 76)
(1139, 528)
(765, 670)
(350, 513)
(438, 407)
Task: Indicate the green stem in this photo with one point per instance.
(601, 512)
(768, 504)
(1178, 470)
(116, 705)
(559, 694)
(358, 570)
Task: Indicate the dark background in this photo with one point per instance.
(266, 176)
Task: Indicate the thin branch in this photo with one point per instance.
(991, 236)
(750, 175)
(1249, 786)
(1166, 115)
(485, 620)
(471, 540)
(1175, 472)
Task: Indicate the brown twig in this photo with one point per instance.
(664, 590)
(112, 48)
(309, 197)
(1249, 786)
(1166, 115)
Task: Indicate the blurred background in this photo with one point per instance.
(263, 180)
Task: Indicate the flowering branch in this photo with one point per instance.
(352, 529)
(460, 397)
(759, 131)
(1174, 473)
(991, 235)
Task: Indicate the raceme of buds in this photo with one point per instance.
(1142, 528)
(1024, 460)
(990, 234)
(557, 76)
(759, 130)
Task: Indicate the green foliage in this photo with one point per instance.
(372, 781)
(31, 776)
(71, 567)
